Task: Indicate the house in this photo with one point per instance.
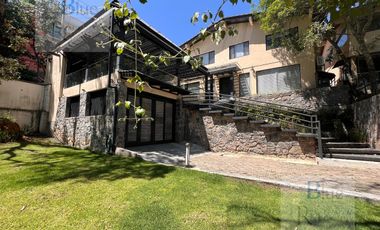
(87, 80)
(350, 49)
(252, 62)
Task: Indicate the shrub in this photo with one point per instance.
(9, 130)
(357, 135)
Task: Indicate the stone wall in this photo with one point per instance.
(367, 119)
(92, 132)
(223, 134)
(311, 99)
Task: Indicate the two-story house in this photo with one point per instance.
(252, 62)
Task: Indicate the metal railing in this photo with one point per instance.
(302, 120)
(363, 81)
(91, 72)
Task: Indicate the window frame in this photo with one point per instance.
(98, 94)
(209, 55)
(186, 86)
(69, 108)
(249, 84)
(233, 48)
(275, 37)
(288, 66)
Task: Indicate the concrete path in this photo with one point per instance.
(359, 179)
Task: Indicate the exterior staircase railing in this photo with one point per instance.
(288, 117)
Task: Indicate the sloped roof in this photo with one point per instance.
(243, 18)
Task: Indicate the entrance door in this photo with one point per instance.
(226, 85)
(158, 130)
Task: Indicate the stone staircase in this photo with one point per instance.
(328, 147)
(349, 150)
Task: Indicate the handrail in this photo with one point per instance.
(87, 67)
(305, 119)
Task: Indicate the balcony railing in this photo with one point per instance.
(91, 72)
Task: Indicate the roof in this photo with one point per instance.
(243, 18)
(89, 34)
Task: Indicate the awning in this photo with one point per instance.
(224, 69)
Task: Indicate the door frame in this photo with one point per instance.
(152, 141)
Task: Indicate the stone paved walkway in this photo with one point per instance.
(350, 178)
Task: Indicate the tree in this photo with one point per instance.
(326, 16)
(23, 30)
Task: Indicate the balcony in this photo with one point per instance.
(91, 72)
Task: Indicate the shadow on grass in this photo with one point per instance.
(40, 164)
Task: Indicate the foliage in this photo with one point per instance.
(357, 135)
(328, 21)
(46, 186)
(9, 130)
(23, 34)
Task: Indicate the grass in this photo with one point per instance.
(43, 186)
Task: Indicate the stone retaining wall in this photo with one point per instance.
(92, 132)
(311, 99)
(223, 134)
(367, 119)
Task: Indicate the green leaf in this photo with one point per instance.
(118, 13)
(134, 15)
(221, 14)
(204, 17)
(127, 104)
(119, 103)
(107, 5)
(195, 17)
(140, 112)
(186, 58)
(119, 51)
(143, 1)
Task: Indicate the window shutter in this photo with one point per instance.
(279, 80)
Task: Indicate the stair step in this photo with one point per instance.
(258, 122)
(240, 118)
(328, 139)
(228, 114)
(215, 111)
(367, 151)
(347, 145)
(271, 126)
(204, 109)
(358, 157)
(306, 135)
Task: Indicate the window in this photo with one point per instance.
(192, 87)
(273, 41)
(208, 58)
(97, 103)
(245, 89)
(279, 80)
(72, 106)
(239, 50)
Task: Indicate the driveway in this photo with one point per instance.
(359, 179)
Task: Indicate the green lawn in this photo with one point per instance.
(44, 186)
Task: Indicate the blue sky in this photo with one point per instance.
(170, 17)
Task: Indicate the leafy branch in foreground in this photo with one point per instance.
(128, 16)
